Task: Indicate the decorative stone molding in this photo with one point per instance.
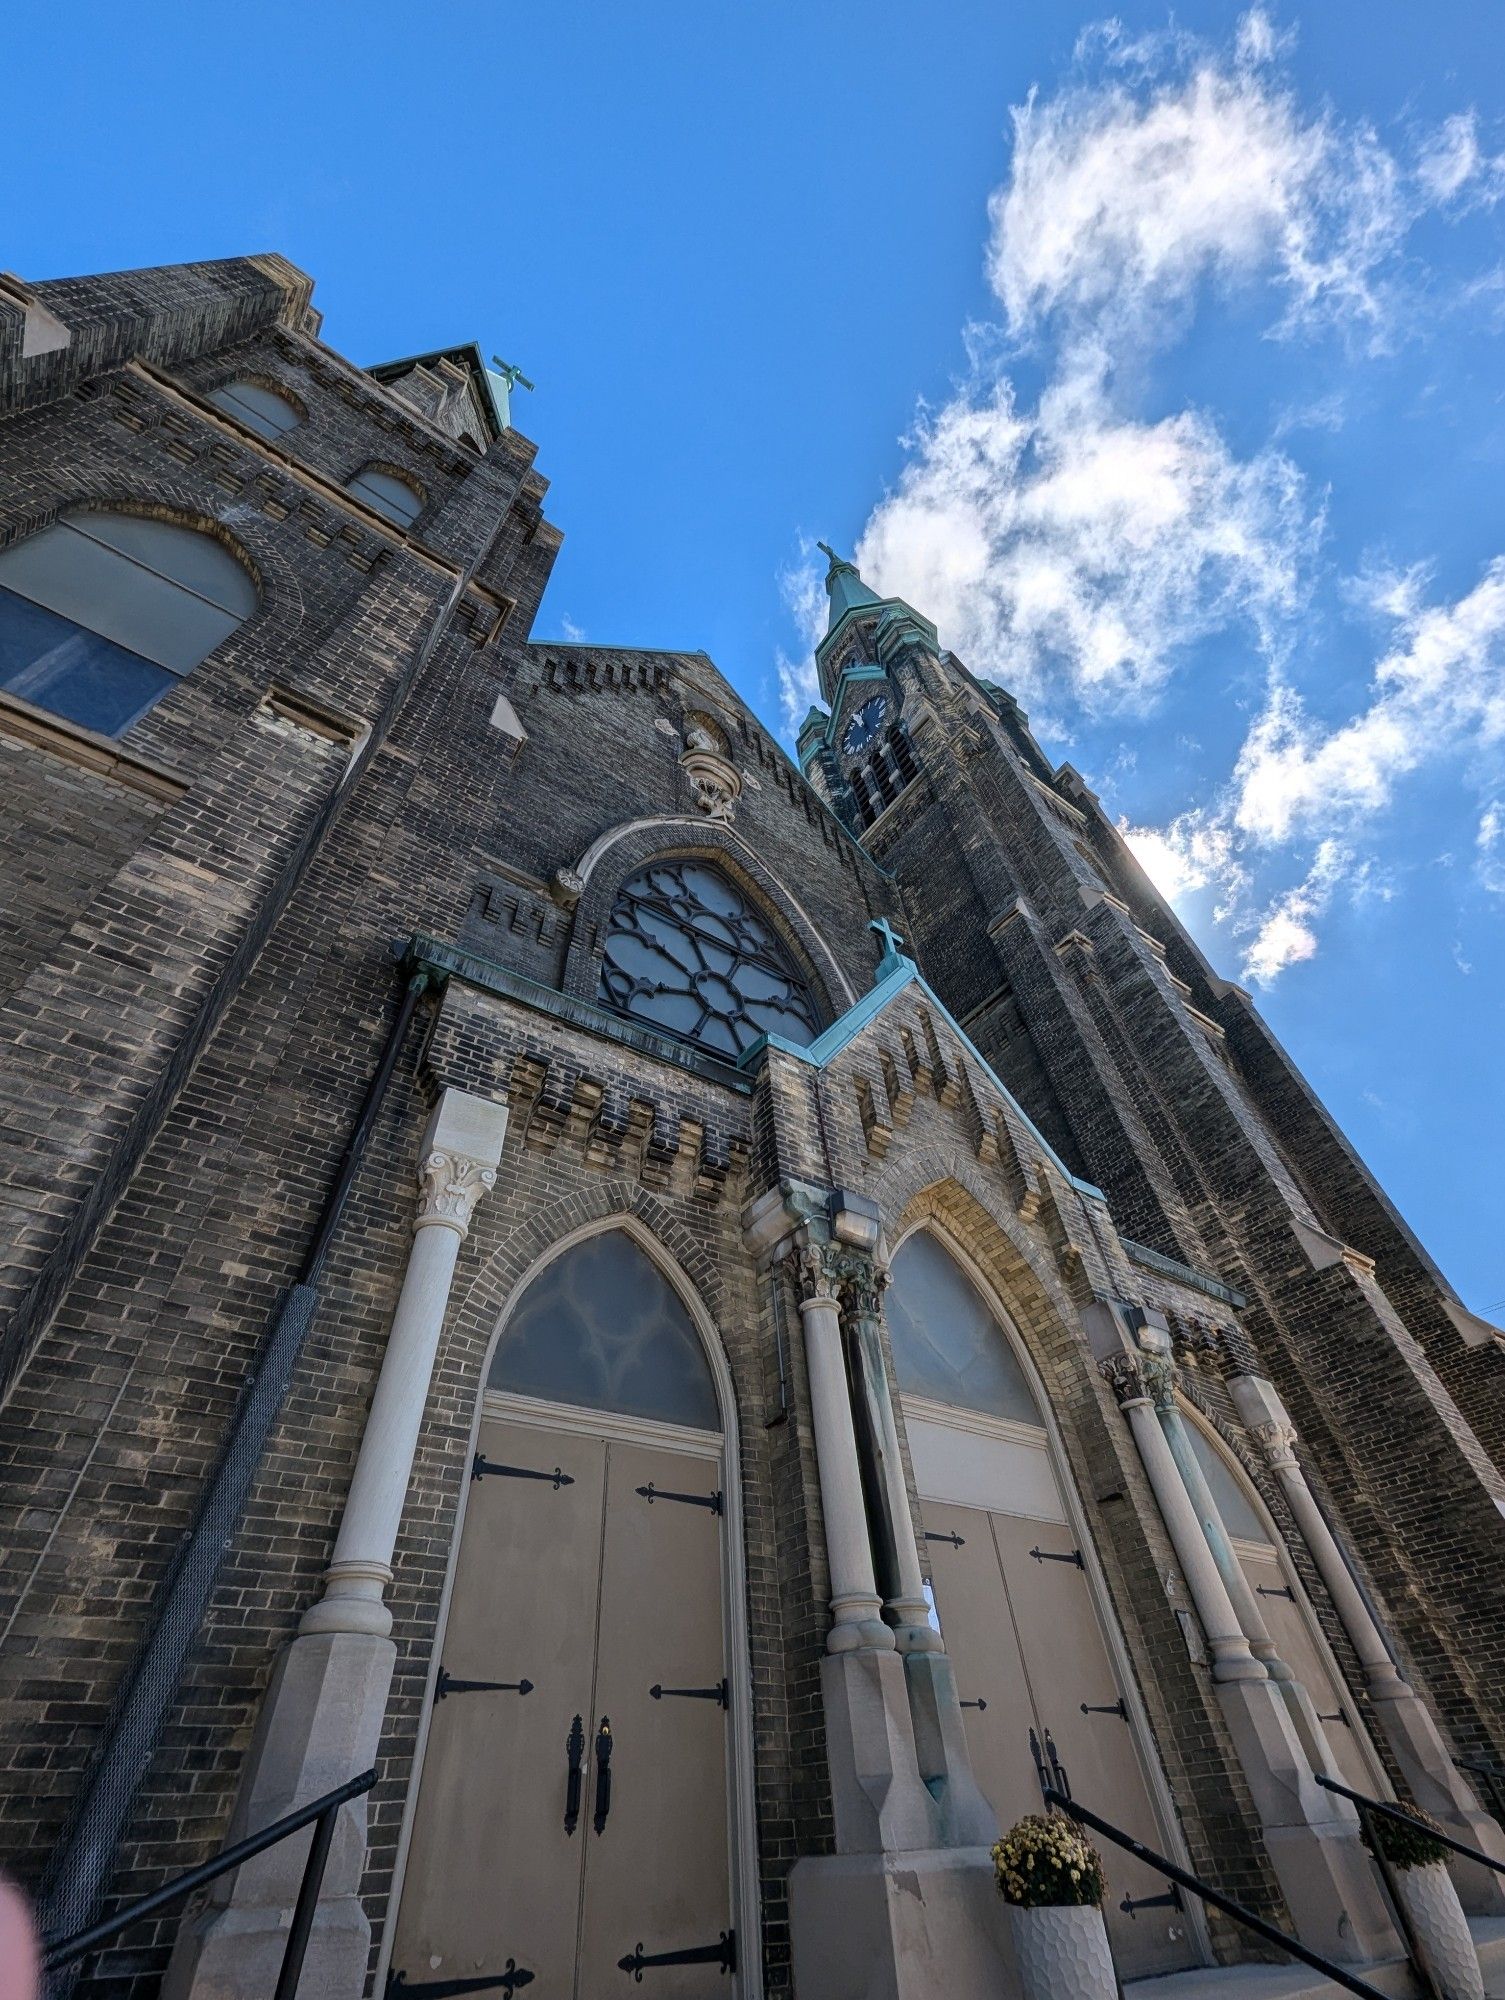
(817, 1268)
(449, 1186)
(1276, 1442)
(1140, 1378)
(567, 887)
(716, 781)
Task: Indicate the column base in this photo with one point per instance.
(878, 1801)
(320, 1726)
(1327, 1878)
(1440, 1788)
(965, 1819)
(900, 1927)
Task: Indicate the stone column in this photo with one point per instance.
(1324, 1874)
(966, 1818)
(878, 1801)
(321, 1720)
(1435, 1782)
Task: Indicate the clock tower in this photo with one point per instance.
(858, 751)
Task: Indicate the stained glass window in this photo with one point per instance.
(603, 1327)
(688, 953)
(947, 1344)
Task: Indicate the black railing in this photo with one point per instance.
(1185, 1880)
(1393, 1811)
(321, 1813)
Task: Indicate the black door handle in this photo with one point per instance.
(603, 1773)
(574, 1750)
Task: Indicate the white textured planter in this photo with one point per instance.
(1063, 1953)
(1441, 1930)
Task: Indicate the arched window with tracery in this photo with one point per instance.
(102, 613)
(688, 953)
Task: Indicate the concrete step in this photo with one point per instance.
(1296, 1982)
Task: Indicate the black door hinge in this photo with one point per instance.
(720, 1694)
(1171, 1900)
(956, 1541)
(400, 1987)
(722, 1953)
(1051, 1556)
(448, 1684)
(1117, 1708)
(486, 1468)
(650, 1493)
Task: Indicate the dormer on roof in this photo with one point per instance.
(451, 387)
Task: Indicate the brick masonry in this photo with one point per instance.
(205, 921)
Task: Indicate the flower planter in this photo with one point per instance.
(1063, 1953)
(1442, 1933)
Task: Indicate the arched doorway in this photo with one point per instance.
(577, 1814)
(1292, 1624)
(1016, 1589)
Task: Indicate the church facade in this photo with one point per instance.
(716, 1320)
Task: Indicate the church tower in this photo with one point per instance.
(669, 1334)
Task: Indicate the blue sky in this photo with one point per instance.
(1158, 359)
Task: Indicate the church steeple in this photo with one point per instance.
(844, 587)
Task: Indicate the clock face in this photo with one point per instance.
(864, 724)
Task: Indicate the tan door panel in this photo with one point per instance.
(979, 1635)
(1069, 1668)
(657, 1875)
(1297, 1645)
(492, 1874)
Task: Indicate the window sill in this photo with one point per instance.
(23, 723)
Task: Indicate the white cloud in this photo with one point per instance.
(1195, 851)
(799, 685)
(574, 633)
(1490, 842)
(1074, 553)
(1286, 933)
(1438, 690)
(1123, 200)
(1453, 168)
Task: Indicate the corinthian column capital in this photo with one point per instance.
(1276, 1441)
(449, 1186)
(1140, 1378)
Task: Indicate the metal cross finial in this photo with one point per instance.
(892, 939)
(512, 375)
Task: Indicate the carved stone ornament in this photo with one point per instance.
(1275, 1441)
(567, 887)
(716, 781)
(1141, 1378)
(449, 1186)
(818, 1273)
(863, 1282)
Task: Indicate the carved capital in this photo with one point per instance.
(715, 780)
(1141, 1378)
(863, 1282)
(449, 1186)
(817, 1273)
(1276, 1441)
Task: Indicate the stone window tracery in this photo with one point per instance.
(686, 952)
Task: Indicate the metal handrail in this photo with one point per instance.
(322, 1810)
(1180, 1876)
(1392, 1811)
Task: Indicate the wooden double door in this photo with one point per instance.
(1016, 1609)
(571, 1828)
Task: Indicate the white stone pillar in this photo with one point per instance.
(1436, 1783)
(462, 1147)
(1310, 1835)
(856, 1620)
(321, 1721)
(1134, 1379)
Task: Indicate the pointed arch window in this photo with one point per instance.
(602, 1327)
(948, 1344)
(686, 952)
(102, 613)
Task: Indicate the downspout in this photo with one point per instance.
(81, 1864)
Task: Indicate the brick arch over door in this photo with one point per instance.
(618, 856)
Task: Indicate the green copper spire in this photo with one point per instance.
(844, 586)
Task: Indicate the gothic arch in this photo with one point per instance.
(620, 854)
(481, 1319)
